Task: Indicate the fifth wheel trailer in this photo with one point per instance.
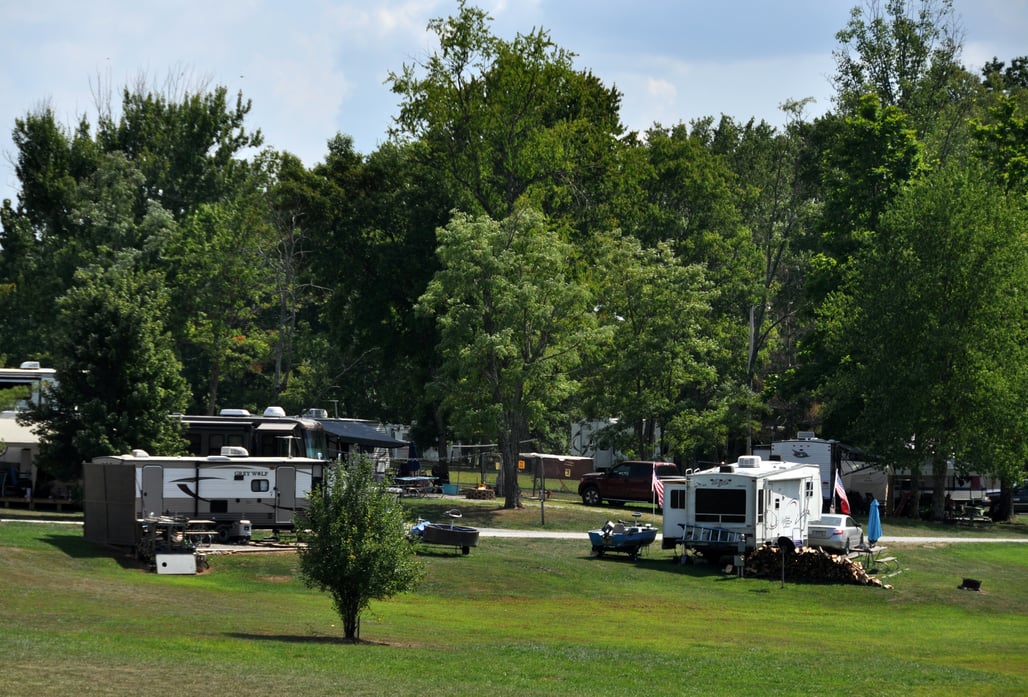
(121, 490)
(738, 507)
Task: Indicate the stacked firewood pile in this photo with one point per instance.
(808, 564)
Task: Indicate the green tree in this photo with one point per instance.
(512, 323)
(508, 120)
(356, 546)
(1002, 143)
(50, 163)
(85, 198)
(931, 329)
(1012, 77)
(906, 53)
(778, 204)
(694, 207)
(117, 376)
(378, 216)
(186, 142)
(653, 366)
(222, 284)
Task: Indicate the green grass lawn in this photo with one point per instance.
(514, 617)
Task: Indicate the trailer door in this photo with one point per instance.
(152, 495)
(285, 494)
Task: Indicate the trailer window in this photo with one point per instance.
(721, 505)
(678, 498)
(259, 485)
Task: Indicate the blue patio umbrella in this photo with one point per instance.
(874, 523)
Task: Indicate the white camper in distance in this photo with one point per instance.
(738, 507)
(121, 490)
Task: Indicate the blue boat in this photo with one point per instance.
(627, 538)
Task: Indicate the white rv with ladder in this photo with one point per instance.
(737, 507)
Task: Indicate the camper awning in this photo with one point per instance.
(359, 433)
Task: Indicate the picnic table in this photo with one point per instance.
(415, 486)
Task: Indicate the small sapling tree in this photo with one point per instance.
(357, 548)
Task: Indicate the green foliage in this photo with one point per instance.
(186, 145)
(356, 546)
(654, 363)
(1003, 144)
(875, 152)
(298, 286)
(904, 52)
(118, 378)
(932, 328)
(220, 287)
(508, 122)
(513, 323)
(379, 215)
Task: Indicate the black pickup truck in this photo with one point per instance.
(628, 481)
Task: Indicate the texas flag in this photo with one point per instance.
(844, 503)
(658, 487)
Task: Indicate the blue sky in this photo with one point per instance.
(314, 68)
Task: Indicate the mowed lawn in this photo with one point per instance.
(514, 617)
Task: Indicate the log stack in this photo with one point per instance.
(811, 564)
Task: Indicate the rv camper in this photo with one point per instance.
(269, 434)
(228, 489)
(808, 450)
(735, 508)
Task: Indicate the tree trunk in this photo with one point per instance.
(440, 442)
(509, 468)
(351, 619)
(213, 379)
(939, 465)
(914, 504)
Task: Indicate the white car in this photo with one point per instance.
(835, 532)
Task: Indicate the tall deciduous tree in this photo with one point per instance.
(931, 327)
(654, 366)
(1002, 143)
(187, 143)
(512, 324)
(906, 53)
(117, 376)
(356, 547)
(694, 208)
(221, 285)
(507, 120)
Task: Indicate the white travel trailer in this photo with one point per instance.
(121, 490)
(19, 443)
(737, 507)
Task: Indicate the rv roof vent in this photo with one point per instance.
(234, 451)
(749, 461)
(317, 413)
(234, 412)
(137, 452)
(805, 435)
(727, 468)
(29, 365)
(274, 411)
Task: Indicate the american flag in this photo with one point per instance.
(844, 503)
(658, 486)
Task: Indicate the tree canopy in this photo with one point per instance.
(512, 259)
